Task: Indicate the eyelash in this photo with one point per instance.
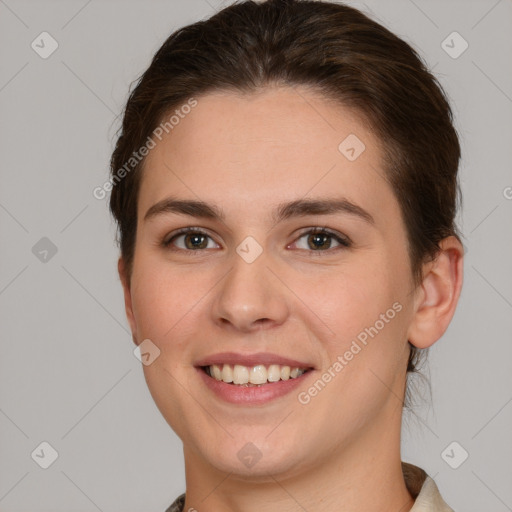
(344, 242)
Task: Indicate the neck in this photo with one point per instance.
(364, 474)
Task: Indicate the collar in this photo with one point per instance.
(423, 489)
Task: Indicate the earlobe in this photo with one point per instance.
(121, 268)
(438, 294)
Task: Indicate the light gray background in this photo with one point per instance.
(68, 373)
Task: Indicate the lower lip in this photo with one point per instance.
(251, 395)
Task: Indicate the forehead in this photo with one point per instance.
(264, 148)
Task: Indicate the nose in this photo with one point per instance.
(250, 297)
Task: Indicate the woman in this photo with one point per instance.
(285, 187)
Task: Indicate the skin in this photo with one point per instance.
(246, 154)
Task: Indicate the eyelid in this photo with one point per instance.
(326, 231)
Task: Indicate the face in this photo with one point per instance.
(296, 259)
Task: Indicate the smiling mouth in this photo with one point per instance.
(248, 376)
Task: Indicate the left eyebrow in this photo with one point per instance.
(283, 211)
(304, 207)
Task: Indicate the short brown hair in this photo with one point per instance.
(337, 51)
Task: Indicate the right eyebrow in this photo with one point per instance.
(192, 208)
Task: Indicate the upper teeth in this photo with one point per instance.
(258, 374)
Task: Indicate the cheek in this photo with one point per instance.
(361, 321)
(349, 298)
(163, 304)
(163, 298)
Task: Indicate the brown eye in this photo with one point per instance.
(189, 239)
(321, 240)
(195, 241)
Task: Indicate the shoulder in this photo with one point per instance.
(424, 490)
(178, 504)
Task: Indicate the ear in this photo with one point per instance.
(121, 268)
(437, 296)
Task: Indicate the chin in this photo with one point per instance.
(253, 457)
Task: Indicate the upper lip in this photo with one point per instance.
(264, 358)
